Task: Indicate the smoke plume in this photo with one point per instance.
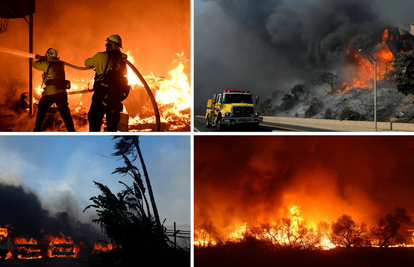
(23, 211)
(276, 44)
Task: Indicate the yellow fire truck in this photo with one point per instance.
(232, 107)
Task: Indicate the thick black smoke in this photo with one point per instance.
(274, 44)
(23, 211)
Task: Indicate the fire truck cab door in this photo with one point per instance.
(217, 105)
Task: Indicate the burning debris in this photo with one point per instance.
(152, 37)
(172, 95)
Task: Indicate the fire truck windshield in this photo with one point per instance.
(237, 98)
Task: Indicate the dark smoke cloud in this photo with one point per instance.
(23, 211)
(276, 44)
(241, 179)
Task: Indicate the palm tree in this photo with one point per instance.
(126, 145)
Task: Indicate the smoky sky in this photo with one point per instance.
(241, 179)
(23, 211)
(275, 44)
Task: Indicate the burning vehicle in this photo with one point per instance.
(14, 246)
(4, 242)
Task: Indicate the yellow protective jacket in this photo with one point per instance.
(98, 62)
(43, 66)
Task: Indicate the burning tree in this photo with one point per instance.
(290, 233)
(287, 233)
(387, 228)
(347, 233)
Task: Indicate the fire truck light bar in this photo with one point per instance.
(239, 91)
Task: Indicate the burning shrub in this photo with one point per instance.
(387, 228)
(290, 233)
(284, 234)
(347, 233)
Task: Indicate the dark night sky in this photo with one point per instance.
(251, 178)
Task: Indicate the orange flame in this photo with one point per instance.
(284, 233)
(362, 73)
(173, 97)
(98, 248)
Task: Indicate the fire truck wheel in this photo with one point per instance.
(219, 126)
(208, 121)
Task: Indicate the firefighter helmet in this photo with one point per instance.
(115, 39)
(52, 53)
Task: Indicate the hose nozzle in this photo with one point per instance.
(41, 58)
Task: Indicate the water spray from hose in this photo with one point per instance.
(134, 69)
(31, 55)
(17, 53)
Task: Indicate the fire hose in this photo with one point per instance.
(134, 69)
(141, 78)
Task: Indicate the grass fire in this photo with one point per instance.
(304, 200)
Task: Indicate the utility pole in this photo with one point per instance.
(30, 65)
(375, 87)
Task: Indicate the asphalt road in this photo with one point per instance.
(200, 126)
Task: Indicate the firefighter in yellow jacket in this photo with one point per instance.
(55, 89)
(109, 87)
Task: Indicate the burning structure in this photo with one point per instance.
(164, 32)
(297, 193)
(393, 42)
(399, 40)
